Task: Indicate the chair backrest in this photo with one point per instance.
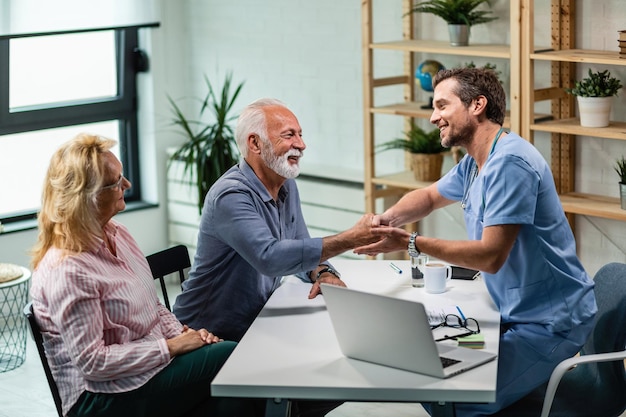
(168, 261)
(609, 335)
(36, 333)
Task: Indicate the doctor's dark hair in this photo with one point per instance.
(474, 82)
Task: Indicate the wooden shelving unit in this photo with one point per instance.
(561, 122)
(564, 58)
(377, 186)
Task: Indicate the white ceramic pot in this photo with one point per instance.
(594, 111)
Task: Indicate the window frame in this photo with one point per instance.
(122, 107)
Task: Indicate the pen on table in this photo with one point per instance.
(460, 312)
(395, 267)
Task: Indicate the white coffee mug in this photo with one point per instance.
(436, 277)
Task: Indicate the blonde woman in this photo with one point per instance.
(113, 348)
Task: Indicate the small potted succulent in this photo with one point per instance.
(459, 14)
(425, 149)
(620, 168)
(595, 96)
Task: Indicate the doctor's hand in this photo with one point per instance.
(393, 239)
(326, 278)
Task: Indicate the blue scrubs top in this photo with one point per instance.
(542, 280)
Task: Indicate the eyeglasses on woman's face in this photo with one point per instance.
(115, 186)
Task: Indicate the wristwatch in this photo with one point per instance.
(413, 249)
(329, 270)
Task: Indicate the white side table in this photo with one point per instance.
(13, 330)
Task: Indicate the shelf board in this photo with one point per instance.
(404, 180)
(571, 126)
(414, 109)
(580, 55)
(444, 47)
(593, 205)
(409, 109)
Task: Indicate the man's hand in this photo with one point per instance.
(392, 239)
(327, 278)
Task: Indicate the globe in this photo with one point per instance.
(425, 73)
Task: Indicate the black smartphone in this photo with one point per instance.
(459, 272)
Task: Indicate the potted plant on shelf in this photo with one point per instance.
(487, 66)
(211, 148)
(620, 168)
(595, 96)
(459, 14)
(425, 149)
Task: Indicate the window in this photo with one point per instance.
(53, 86)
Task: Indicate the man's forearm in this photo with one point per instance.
(337, 244)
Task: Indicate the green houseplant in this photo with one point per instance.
(487, 66)
(425, 149)
(211, 148)
(620, 168)
(460, 15)
(595, 95)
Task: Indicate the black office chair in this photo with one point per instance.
(36, 333)
(168, 261)
(596, 386)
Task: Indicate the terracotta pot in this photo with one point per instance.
(426, 167)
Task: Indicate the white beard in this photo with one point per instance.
(280, 163)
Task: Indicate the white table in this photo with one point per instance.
(290, 351)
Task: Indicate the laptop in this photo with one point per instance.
(394, 332)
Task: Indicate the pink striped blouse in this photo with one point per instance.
(103, 326)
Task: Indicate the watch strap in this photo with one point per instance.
(413, 249)
(329, 270)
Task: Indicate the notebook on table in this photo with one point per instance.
(394, 332)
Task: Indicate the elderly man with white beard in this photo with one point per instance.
(252, 232)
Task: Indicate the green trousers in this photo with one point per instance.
(181, 389)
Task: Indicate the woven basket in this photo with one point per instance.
(426, 167)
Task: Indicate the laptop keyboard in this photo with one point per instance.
(445, 362)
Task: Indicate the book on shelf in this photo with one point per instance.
(622, 35)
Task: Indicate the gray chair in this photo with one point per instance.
(168, 261)
(593, 383)
(36, 333)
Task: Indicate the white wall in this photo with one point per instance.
(308, 54)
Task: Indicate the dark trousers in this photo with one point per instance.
(181, 389)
